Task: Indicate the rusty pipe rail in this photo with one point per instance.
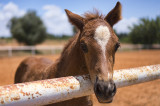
(60, 89)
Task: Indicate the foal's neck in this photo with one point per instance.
(71, 61)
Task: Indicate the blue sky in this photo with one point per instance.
(53, 15)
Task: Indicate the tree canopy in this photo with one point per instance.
(146, 32)
(28, 29)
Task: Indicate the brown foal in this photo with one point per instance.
(91, 51)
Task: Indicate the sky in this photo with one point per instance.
(53, 15)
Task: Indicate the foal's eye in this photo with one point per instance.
(84, 47)
(117, 46)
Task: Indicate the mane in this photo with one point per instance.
(93, 15)
(72, 42)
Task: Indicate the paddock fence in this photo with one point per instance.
(60, 89)
(125, 47)
(33, 49)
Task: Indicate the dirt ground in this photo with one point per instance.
(146, 94)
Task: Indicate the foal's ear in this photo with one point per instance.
(75, 19)
(114, 15)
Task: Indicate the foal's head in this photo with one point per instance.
(99, 44)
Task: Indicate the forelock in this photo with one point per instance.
(93, 15)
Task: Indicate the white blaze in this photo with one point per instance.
(102, 36)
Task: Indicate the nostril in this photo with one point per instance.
(99, 86)
(114, 90)
(99, 89)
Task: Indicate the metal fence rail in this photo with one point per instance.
(60, 89)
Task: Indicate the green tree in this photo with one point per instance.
(123, 37)
(28, 29)
(147, 32)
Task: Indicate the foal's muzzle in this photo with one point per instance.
(104, 91)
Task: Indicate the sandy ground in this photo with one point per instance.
(146, 94)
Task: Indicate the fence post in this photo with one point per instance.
(53, 51)
(33, 50)
(10, 51)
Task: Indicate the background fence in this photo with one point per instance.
(33, 49)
